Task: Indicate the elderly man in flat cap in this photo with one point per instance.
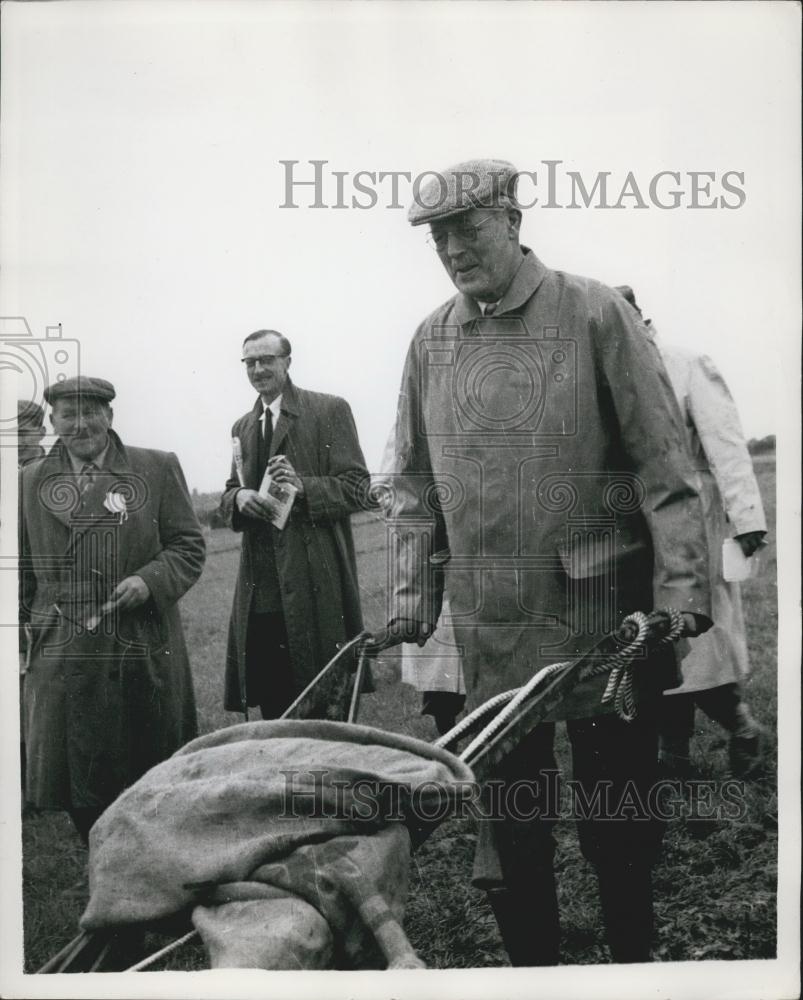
(109, 543)
(538, 433)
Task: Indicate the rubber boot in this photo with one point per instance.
(747, 744)
(625, 893)
(528, 921)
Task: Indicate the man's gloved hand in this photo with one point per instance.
(696, 624)
(751, 541)
(396, 631)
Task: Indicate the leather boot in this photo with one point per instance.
(528, 921)
(625, 892)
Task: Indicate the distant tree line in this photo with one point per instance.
(207, 505)
(207, 508)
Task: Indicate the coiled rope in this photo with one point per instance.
(619, 689)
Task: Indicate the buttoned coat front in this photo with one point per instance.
(545, 443)
(731, 506)
(102, 705)
(314, 552)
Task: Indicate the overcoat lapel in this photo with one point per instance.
(250, 446)
(287, 416)
(56, 494)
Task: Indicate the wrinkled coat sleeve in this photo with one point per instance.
(720, 431)
(651, 432)
(342, 489)
(26, 577)
(417, 590)
(171, 573)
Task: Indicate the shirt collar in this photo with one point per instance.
(274, 407)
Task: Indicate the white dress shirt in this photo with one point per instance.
(275, 408)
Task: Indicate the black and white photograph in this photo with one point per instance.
(400, 499)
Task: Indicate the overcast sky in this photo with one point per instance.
(143, 185)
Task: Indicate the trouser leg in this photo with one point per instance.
(675, 728)
(724, 704)
(84, 819)
(615, 771)
(444, 707)
(524, 900)
(269, 672)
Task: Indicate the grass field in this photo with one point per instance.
(715, 887)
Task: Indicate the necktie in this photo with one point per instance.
(268, 430)
(86, 475)
(490, 309)
(264, 442)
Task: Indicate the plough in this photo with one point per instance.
(489, 734)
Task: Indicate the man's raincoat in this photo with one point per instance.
(544, 444)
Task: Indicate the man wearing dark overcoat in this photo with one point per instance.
(296, 598)
(109, 543)
(30, 431)
(537, 432)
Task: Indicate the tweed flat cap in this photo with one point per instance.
(473, 184)
(80, 385)
(29, 412)
(628, 295)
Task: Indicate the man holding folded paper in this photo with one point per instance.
(297, 475)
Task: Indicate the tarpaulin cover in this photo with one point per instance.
(219, 813)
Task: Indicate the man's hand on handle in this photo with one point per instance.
(696, 624)
(396, 631)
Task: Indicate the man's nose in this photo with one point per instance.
(455, 246)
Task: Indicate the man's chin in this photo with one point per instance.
(85, 450)
(473, 283)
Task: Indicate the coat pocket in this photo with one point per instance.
(145, 629)
(589, 554)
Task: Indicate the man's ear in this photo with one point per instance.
(110, 414)
(513, 222)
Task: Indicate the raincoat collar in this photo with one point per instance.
(528, 277)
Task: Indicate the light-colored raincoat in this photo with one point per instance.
(545, 445)
(731, 506)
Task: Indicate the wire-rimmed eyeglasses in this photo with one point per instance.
(465, 233)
